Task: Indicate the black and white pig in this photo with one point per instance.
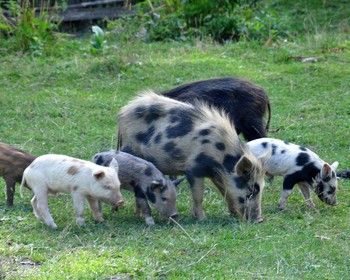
(52, 173)
(245, 103)
(298, 165)
(199, 142)
(146, 181)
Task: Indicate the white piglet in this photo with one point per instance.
(51, 174)
(298, 165)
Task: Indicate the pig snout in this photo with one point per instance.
(120, 203)
(174, 216)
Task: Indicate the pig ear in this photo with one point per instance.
(265, 156)
(244, 166)
(326, 171)
(178, 181)
(99, 174)
(156, 185)
(335, 165)
(114, 164)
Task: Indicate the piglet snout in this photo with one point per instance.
(120, 203)
(174, 216)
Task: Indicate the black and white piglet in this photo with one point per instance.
(298, 165)
(146, 181)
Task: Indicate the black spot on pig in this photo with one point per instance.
(274, 147)
(205, 141)
(127, 149)
(139, 192)
(302, 159)
(150, 195)
(145, 137)
(182, 124)
(264, 144)
(140, 111)
(204, 132)
(148, 171)
(220, 146)
(287, 143)
(169, 147)
(230, 162)
(303, 148)
(158, 138)
(241, 200)
(241, 181)
(307, 173)
(283, 151)
(154, 112)
(205, 166)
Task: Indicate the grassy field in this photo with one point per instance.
(67, 103)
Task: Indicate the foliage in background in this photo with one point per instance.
(21, 29)
(222, 20)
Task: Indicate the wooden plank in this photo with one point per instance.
(90, 14)
(95, 3)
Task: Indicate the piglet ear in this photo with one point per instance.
(244, 166)
(114, 164)
(99, 174)
(156, 185)
(178, 181)
(326, 171)
(335, 165)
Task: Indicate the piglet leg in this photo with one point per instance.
(10, 190)
(96, 209)
(78, 200)
(304, 189)
(197, 189)
(42, 209)
(143, 207)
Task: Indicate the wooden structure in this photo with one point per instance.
(93, 10)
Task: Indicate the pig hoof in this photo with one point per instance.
(80, 222)
(54, 226)
(149, 221)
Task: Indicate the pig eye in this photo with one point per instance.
(164, 199)
(107, 187)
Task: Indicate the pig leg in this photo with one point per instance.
(143, 205)
(138, 211)
(197, 189)
(96, 209)
(78, 201)
(10, 190)
(35, 209)
(288, 184)
(43, 209)
(304, 188)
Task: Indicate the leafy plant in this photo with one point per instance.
(98, 39)
(222, 20)
(25, 29)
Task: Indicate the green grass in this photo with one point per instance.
(67, 103)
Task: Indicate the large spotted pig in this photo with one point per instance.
(245, 103)
(298, 165)
(146, 181)
(13, 162)
(199, 142)
(53, 173)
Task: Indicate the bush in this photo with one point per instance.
(220, 19)
(24, 30)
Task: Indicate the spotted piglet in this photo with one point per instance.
(53, 173)
(298, 165)
(146, 181)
